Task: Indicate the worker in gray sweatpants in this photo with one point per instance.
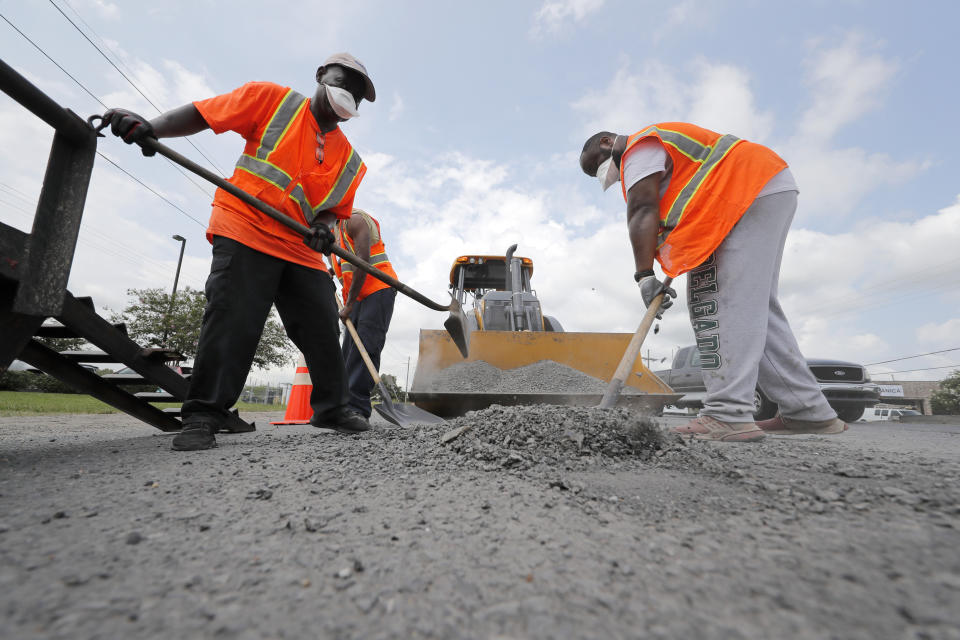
(718, 208)
(741, 331)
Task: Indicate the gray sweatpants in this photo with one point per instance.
(742, 335)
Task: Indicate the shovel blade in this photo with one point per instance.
(456, 325)
(403, 415)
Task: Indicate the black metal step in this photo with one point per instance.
(88, 356)
(162, 355)
(155, 354)
(233, 424)
(60, 331)
(155, 396)
(125, 378)
(132, 378)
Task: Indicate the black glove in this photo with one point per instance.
(129, 126)
(650, 287)
(320, 238)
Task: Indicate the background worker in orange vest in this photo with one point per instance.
(719, 208)
(296, 159)
(367, 302)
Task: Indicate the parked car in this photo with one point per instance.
(888, 413)
(846, 385)
(20, 365)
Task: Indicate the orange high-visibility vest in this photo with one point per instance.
(378, 257)
(715, 179)
(281, 165)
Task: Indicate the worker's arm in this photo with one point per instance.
(358, 230)
(182, 121)
(643, 219)
(643, 225)
(133, 128)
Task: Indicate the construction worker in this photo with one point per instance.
(719, 208)
(367, 302)
(298, 160)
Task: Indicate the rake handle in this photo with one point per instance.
(633, 350)
(279, 216)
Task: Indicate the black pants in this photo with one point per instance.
(371, 316)
(242, 286)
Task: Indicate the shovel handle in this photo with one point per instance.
(633, 350)
(352, 330)
(282, 218)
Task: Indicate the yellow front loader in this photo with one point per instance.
(509, 330)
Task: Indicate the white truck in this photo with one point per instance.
(846, 385)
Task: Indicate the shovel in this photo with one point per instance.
(612, 393)
(456, 322)
(404, 415)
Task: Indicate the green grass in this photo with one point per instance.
(24, 403)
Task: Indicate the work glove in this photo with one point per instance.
(130, 127)
(320, 238)
(650, 287)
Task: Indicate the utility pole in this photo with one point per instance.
(406, 384)
(173, 294)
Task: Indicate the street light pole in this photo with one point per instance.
(173, 294)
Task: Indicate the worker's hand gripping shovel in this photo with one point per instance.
(612, 393)
(403, 415)
(456, 322)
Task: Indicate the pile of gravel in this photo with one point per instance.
(545, 376)
(525, 436)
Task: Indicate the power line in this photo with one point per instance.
(949, 366)
(150, 189)
(37, 47)
(919, 355)
(106, 246)
(127, 78)
(91, 94)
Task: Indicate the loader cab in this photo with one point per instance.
(498, 290)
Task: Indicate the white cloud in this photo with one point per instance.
(553, 15)
(943, 334)
(846, 81)
(713, 95)
(396, 108)
(168, 87)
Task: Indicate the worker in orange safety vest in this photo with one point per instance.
(367, 302)
(298, 160)
(718, 208)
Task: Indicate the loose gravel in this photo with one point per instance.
(545, 376)
(548, 522)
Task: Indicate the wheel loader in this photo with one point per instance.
(509, 330)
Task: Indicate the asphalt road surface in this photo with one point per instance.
(293, 532)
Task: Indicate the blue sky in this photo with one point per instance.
(482, 109)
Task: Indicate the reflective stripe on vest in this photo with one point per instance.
(261, 167)
(289, 107)
(344, 241)
(707, 156)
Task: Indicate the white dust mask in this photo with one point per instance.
(608, 173)
(342, 102)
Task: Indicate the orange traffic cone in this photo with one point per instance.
(298, 405)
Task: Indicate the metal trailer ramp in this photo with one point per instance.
(35, 268)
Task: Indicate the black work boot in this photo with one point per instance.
(343, 420)
(195, 436)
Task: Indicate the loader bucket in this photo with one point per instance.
(595, 354)
(457, 328)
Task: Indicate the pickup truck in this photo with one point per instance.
(846, 385)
